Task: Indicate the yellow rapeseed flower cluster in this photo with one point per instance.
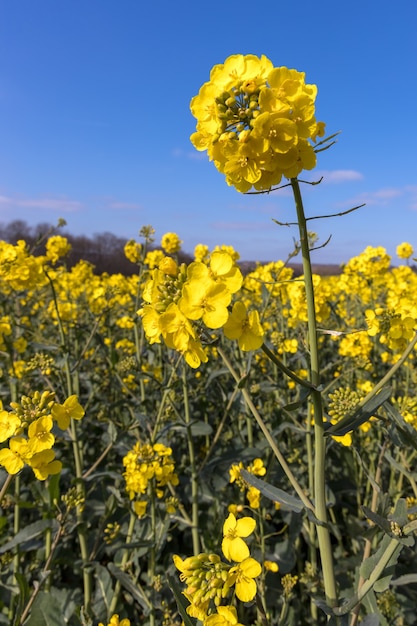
(183, 301)
(256, 468)
(146, 466)
(210, 580)
(28, 430)
(256, 121)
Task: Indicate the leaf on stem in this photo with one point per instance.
(274, 493)
(179, 598)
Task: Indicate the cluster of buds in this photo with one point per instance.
(206, 577)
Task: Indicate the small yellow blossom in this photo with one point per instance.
(233, 546)
(71, 408)
(242, 576)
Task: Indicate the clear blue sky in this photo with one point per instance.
(95, 121)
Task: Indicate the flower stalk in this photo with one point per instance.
(319, 440)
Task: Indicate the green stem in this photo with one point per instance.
(76, 447)
(125, 557)
(193, 466)
(152, 554)
(323, 534)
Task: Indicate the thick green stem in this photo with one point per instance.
(319, 440)
(193, 466)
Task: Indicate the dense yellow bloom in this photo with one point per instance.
(201, 252)
(404, 250)
(19, 269)
(146, 463)
(233, 546)
(256, 122)
(171, 243)
(133, 251)
(57, 247)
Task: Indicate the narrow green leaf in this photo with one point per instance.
(359, 417)
(406, 579)
(378, 520)
(179, 598)
(128, 584)
(406, 433)
(274, 493)
(28, 533)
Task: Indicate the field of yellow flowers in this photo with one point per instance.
(191, 446)
(122, 466)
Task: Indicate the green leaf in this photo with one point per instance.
(406, 433)
(359, 417)
(378, 520)
(46, 611)
(128, 584)
(28, 533)
(369, 565)
(274, 493)
(179, 598)
(103, 591)
(200, 428)
(53, 488)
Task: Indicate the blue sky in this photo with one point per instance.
(95, 120)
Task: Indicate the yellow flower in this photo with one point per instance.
(245, 327)
(226, 616)
(140, 507)
(44, 464)
(242, 576)
(271, 566)
(115, 621)
(9, 423)
(206, 300)
(233, 546)
(256, 122)
(57, 247)
(404, 250)
(13, 458)
(40, 436)
(62, 413)
(133, 251)
(171, 243)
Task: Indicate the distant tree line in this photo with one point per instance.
(103, 250)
